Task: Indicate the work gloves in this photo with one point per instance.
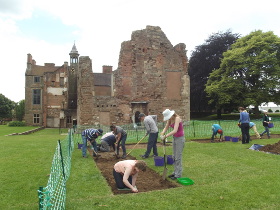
(163, 137)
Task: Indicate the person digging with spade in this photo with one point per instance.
(216, 128)
(174, 121)
(150, 123)
(121, 136)
(89, 136)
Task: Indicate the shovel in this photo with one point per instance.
(164, 157)
(136, 144)
(117, 156)
(97, 155)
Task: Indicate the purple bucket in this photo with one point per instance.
(227, 138)
(159, 161)
(170, 159)
(234, 139)
(80, 146)
(270, 125)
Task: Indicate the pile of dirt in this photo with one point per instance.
(273, 148)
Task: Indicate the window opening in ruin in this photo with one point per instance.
(37, 79)
(137, 120)
(69, 119)
(61, 81)
(36, 118)
(36, 96)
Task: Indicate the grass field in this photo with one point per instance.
(226, 176)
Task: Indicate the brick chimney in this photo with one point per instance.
(107, 69)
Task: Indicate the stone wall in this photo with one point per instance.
(152, 74)
(86, 101)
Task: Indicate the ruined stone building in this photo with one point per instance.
(151, 76)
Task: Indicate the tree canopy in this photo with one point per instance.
(20, 110)
(6, 107)
(249, 72)
(203, 61)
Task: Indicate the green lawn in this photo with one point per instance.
(227, 176)
(5, 130)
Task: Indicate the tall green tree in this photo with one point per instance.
(6, 107)
(204, 59)
(249, 72)
(20, 110)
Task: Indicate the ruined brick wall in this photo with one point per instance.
(152, 74)
(55, 97)
(94, 108)
(86, 93)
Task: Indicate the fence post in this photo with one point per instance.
(40, 194)
(193, 129)
(70, 140)
(60, 150)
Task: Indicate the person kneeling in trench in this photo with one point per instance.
(107, 140)
(125, 173)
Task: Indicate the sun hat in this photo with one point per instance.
(167, 114)
(220, 131)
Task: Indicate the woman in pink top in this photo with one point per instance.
(174, 121)
(125, 173)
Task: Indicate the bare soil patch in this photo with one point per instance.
(146, 181)
(151, 180)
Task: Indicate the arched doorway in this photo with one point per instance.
(137, 120)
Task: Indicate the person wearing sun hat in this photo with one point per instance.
(216, 128)
(89, 135)
(174, 121)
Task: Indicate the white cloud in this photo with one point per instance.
(101, 26)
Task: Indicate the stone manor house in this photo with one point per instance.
(151, 76)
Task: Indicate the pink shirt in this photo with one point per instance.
(121, 166)
(180, 131)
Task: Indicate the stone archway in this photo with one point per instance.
(136, 117)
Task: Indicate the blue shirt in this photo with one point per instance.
(90, 133)
(251, 124)
(216, 127)
(111, 139)
(244, 117)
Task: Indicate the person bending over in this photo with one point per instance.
(126, 172)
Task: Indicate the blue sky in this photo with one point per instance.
(48, 29)
(44, 26)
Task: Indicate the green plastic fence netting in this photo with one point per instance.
(53, 196)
